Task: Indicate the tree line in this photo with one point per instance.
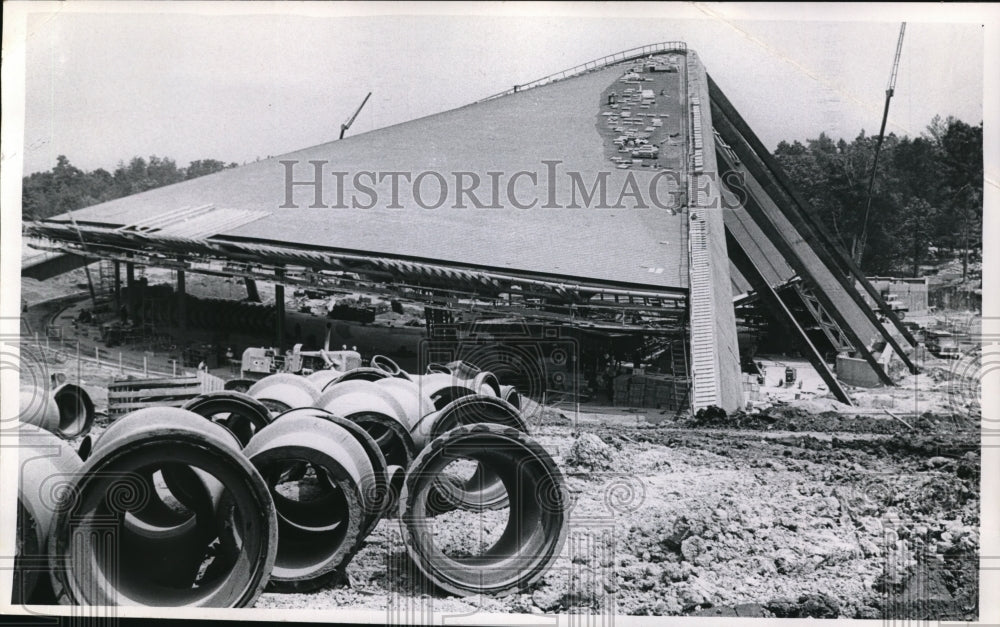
(66, 187)
(927, 200)
(927, 197)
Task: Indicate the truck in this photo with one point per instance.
(942, 344)
(896, 305)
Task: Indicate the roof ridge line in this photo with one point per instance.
(630, 54)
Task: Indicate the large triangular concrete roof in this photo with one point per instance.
(511, 133)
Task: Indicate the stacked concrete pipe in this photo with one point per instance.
(205, 505)
(317, 536)
(67, 412)
(48, 469)
(534, 532)
(164, 485)
(282, 391)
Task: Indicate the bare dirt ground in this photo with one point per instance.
(779, 514)
(807, 508)
(678, 519)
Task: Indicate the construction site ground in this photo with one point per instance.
(783, 513)
(806, 507)
(680, 518)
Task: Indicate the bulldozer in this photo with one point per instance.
(258, 362)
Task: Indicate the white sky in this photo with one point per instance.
(106, 87)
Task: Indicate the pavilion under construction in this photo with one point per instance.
(623, 196)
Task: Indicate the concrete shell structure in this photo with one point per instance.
(602, 188)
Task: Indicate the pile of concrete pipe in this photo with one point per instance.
(211, 503)
(66, 412)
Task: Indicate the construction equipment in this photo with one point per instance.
(347, 124)
(258, 362)
(860, 241)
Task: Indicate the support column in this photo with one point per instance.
(773, 301)
(181, 300)
(131, 288)
(118, 286)
(279, 308)
(253, 295)
(142, 283)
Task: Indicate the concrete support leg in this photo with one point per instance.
(181, 300)
(279, 307)
(132, 289)
(118, 286)
(142, 283)
(253, 295)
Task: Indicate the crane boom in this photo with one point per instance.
(347, 123)
(895, 64)
(861, 240)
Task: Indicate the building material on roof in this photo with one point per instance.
(513, 134)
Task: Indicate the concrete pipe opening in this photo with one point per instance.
(496, 552)
(239, 413)
(68, 412)
(378, 500)
(378, 412)
(360, 374)
(443, 388)
(389, 366)
(470, 486)
(219, 517)
(509, 393)
(486, 383)
(48, 467)
(322, 514)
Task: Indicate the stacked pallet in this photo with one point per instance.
(128, 395)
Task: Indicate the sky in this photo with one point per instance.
(104, 87)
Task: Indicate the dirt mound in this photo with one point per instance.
(803, 416)
(590, 452)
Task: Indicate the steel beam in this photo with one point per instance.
(829, 327)
(772, 299)
(750, 204)
(821, 239)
